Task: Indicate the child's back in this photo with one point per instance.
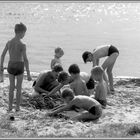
(101, 95)
(15, 50)
(79, 87)
(101, 88)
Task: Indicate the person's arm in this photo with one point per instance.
(61, 109)
(72, 86)
(55, 90)
(94, 60)
(52, 63)
(26, 63)
(39, 83)
(3, 57)
(97, 61)
(97, 92)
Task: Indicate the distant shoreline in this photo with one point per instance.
(35, 74)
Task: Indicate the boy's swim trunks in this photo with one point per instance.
(112, 50)
(102, 102)
(96, 110)
(15, 67)
(90, 84)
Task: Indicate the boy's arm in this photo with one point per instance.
(61, 109)
(52, 63)
(97, 61)
(97, 92)
(39, 83)
(3, 56)
(94, 60)
(72, 87)
(55, 89)
(26, 62)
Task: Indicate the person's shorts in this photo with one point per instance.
(15, 68)
(112, 50)
(90, 84)
(96, 110)
(102, 102)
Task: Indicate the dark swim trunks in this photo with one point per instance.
(102, 102)
(112, 50)
(96, 110)
(90, 84)
(15, 68)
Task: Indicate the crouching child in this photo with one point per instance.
(92, 108)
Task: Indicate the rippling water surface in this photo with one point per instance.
(76, 27)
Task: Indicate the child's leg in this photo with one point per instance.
(11, 91)
(85, 116)
(18, 94)
(108, 64)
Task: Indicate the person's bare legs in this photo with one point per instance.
(11, 91)
(18, 94)
(85, 116)
(108, 65)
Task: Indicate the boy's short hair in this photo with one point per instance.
(58, 49)
(74, 68)
(19, 28)
(97, 70)
(63, 76)
(90, 84)
(85, 55)
(67, 92)
(57, 68)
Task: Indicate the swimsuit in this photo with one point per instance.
(95, 110)
(102, 102)
(112, 50)
(90, 84)
(15, 67)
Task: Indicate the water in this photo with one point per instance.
(76, 27)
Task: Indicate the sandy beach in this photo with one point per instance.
(120, 119)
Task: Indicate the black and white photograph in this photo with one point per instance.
(69, 69)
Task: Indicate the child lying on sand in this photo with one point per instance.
(93, 109)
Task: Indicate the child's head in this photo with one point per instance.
(63, 77)
(87, 56)
(67, 94)
(57, 69)
(97, 73)
(59, 52)
(74, 69)
(20, 29)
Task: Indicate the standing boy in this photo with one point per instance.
(17, 60)
(108, 51)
